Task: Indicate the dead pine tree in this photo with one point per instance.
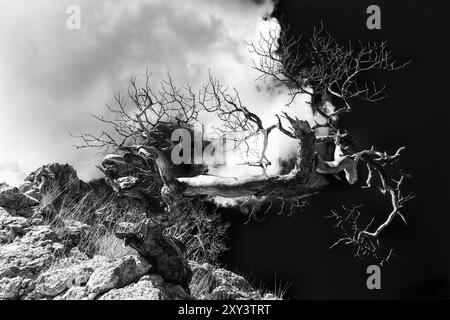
(137, 148)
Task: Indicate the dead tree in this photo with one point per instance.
(318, 67)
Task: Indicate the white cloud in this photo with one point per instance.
(52, 77)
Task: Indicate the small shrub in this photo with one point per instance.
(203, 234)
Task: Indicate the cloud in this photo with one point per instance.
(11, 172)
(52, 77)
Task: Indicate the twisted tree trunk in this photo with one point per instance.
(163, 253)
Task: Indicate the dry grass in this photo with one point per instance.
(279, 291)
(203, 235)
(100, 212)
(201, 286)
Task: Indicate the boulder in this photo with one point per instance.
(231, 286)
(117, 274)
(78, 277)
(70, 272)
(10, 288)
(30, 254)
(53, 176)
(53, 282)
(163, 252)
(149, 287)
(269, 296)
(11, 227)
(15, 202)
(210, 283)
(72, 232)
(74, 293)
(24, 258)
(142, 290)
(35, 262)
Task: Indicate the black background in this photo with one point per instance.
(295, 249)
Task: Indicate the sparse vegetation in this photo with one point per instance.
(202, 234)
(201, 285)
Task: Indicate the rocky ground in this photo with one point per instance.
(38, 261)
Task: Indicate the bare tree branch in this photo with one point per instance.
(318, 67)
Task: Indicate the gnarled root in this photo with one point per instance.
(162, 252)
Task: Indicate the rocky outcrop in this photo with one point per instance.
(35, 264)
(11, 227)
(74, 293)
(39, 261)
(103, 279)
(117, 274)
(53, 176)
(16, 202)
(211, 283)
(25, 252)
(71, 232)
(161, 251)
(27, 256)
(10, 288)
(29, 269)
(149, 287)
(92, 277)
(142, 290)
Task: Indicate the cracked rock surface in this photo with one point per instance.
(43, 262)
(36, 264)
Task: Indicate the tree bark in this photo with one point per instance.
(163, 253)
(301, 181)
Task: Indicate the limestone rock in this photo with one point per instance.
(142, 290)
(117, 274)
(269, 296)
(154, 278)
(74, 293)
(149, 287)
(53, 282)
(70, 273)
(35, 262)
(163, 252)
(209, 283)
(231, 286)
(11, 226)
(53, 176)
(87, 268)
(31, 254)
(24, 258)
(74, 271)
(10, 288)
(15, 202)
(71, 232)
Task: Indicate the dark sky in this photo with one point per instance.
(296, 248)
